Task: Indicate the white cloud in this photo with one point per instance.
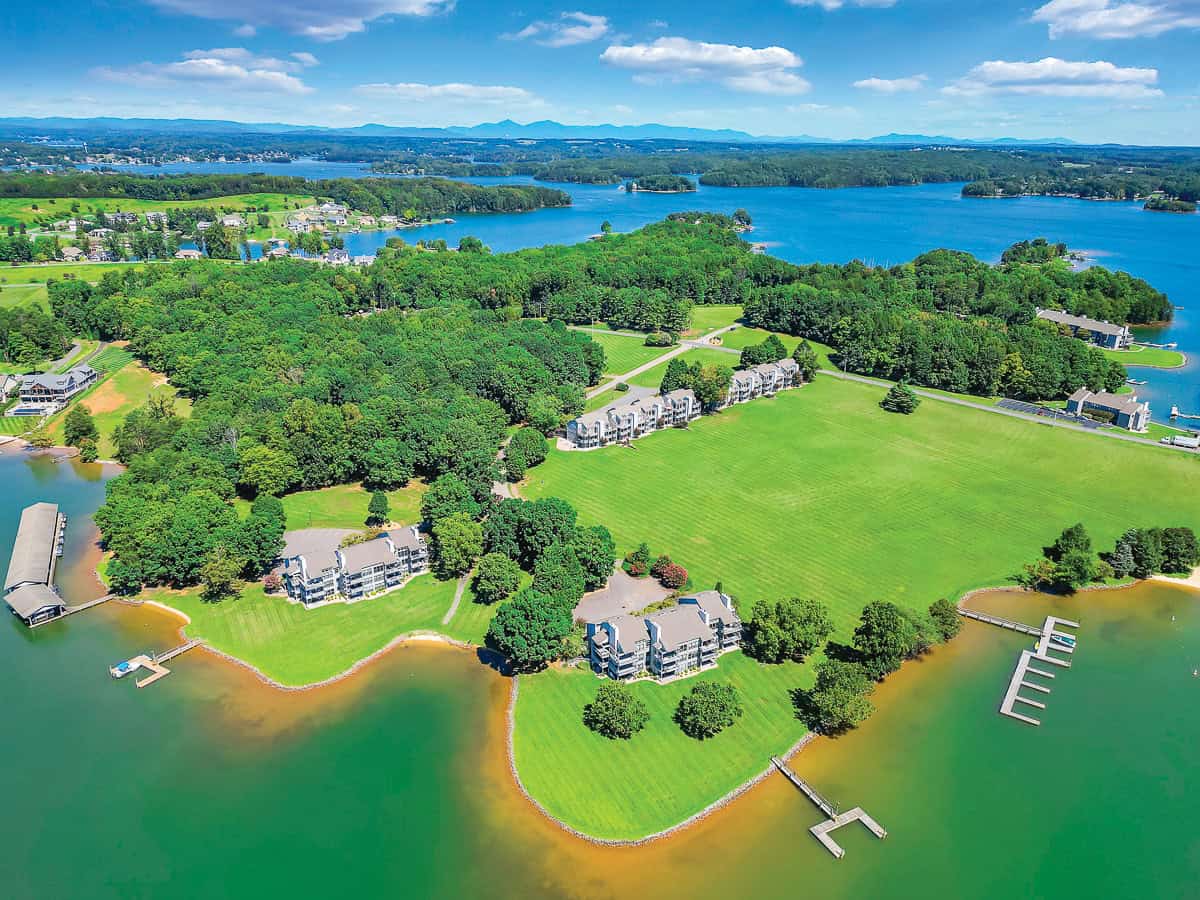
(317, 19)
(769, 70)
(245, 31)
(1108, 19)
(567, 30)
(1051, 77)
(831, 5)
(892, 85)
(478, 94)
(232, 68)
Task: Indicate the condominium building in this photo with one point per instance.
(49, 392)
(1123, 410)
(667, 644)
(327, 573)
(1104, 334)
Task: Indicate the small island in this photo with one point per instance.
(1159, 203)
(661, 184)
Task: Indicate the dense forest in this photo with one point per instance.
(417, 197)
(661, 184)
(28, 335)
(292, 390)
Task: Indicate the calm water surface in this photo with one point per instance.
(210, 784)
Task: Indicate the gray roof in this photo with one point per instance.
(1065, 318)
(679, 625)
(630, 630)
(33, 550)
(630, 402)
(681, 394)
(710, 602)
(316, 545)
(62, 382)
(1123, 403)
(408, 537)
(28, 599)
(375, 552)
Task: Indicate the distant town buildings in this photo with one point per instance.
(1104, 334)
(28, 587)
(1123, 410)
(667, 644)
(323, 572)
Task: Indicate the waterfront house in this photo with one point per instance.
(188, 254)
(233, 221)
(337, 257)
(666, 644)
(49, 392)
(156, 219)
(203, 225)
(28, 586)
(71, 254)
(1103, 334)
(1123, 410)
(325, 572)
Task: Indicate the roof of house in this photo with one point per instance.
(33, 549)
(28, 599)
(58, 382)
(681, 394)
(745, 375)
(377, 552)
(679, 625)
(632, 398)
(1123, 403)
(407, 537)
(630, 630)
(711, 603)
(1065, 318)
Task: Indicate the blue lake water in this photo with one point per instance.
(881, 226)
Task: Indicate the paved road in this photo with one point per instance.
(1011, 413)
(683, 347)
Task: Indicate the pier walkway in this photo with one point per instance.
(70, 610)
(1002, 623)
(1050, 638)
(836, 820)
(152, 662)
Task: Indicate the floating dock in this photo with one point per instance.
(836, 820)
(151, 662)
(1176, 414)
(1050, 638)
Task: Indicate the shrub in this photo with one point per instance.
(615, 713)
(708, 710)
(790, 629)
(900, 399)
(945, 618)
(272, 584)
(673, 576)
(660, 565)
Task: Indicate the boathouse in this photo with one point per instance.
(28, 587)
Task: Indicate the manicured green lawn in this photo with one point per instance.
(653, 377)
(110, 359)
(15, 210)
(625, 789)
(817, 493)
(17, 425)
(625, 353)
(23, 295)
(345, 506)
(1154, 357)
(297, 646)
(743, 337)
(86, 347)
(710, 318)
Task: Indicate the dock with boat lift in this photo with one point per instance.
(152, 662)
(836, 820)
(1050, 638)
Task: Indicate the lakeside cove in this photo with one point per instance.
(433, 721)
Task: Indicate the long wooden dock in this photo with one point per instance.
(71, 610)
(836, 820)
(1046, 643)
(1002, 623)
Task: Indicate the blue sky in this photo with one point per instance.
(1092, 70)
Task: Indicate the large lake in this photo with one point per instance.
(394, 783)
(882, 226)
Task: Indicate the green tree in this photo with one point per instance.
(838, 699)
(544, 412)
(1074, 569)
(885, 637)
(447, 496)
(945, 618)
(708, 709)
(264, 469)
(1073, 540)
(1181, 553)
(88, 451)
(711, 384)
(677, 376)
(388, 464)
(787, 630)
(606, 227)
(123, 578)
(532, 444)
(1121, 559)
(558, 573)
(496, 578)
(1146, 544)
(78, 425)
(219, 574)
(378, 509)
(457, 543)
(530, 629)
(615, 713)
(596, 551)
(806, 359)
(900, 399)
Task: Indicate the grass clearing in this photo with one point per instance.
(653, 377)
(297, 646)
(15, 210)
(1151, 357)
(816, 493)
(624, 353)
(13, 296)
(710, 318)
(111, 358)
(345, 506)
(15, 426)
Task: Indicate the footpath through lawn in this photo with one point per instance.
(817, 493)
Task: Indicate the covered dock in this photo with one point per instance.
(28, 586)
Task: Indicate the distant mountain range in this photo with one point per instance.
(543, 130)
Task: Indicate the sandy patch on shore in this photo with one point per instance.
(1192, 581)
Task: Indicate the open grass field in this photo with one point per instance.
(16, 425)
(15, 210)
(817, 493)
(625, 353)
(710, 318)
(14, 295)
(1153, 357)
(743, 337)
(653, 377)
(298, 646)
(345, 506)
(634, 787)
(111, 358)
(11, 276)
